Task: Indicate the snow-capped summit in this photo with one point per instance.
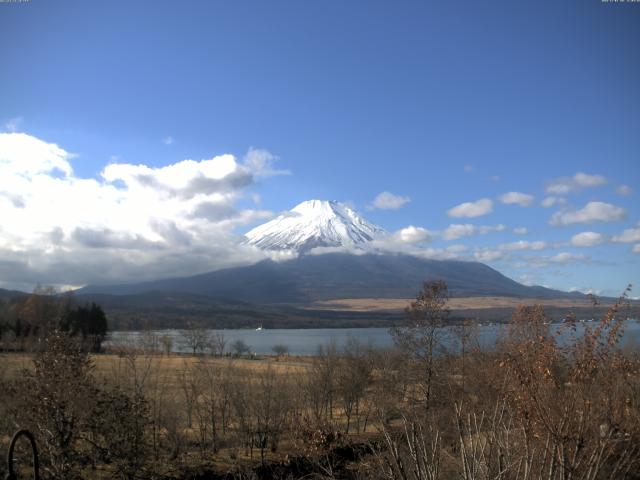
(311, 224)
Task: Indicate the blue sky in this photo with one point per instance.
(437, 102)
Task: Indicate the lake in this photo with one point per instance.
(306, 341)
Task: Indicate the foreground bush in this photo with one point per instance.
(537, 409)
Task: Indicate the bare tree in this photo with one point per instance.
(171, 424)
(262, 408)
(156, 392)
(320, 384)
(213, 401)
(133, 366)
(167, 344)
(217, 344)
(240, 348)
(273, 407)
(280, 350)
(391, 383)
(419, 335)
(353, 378)
(195, 338)
(149, 342)
(190, 389)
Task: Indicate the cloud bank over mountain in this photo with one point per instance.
(57, 224)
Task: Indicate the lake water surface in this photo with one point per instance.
(307, 341)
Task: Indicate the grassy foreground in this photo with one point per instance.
(532, 408)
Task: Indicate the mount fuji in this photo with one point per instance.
(312, 224)
(315, 274)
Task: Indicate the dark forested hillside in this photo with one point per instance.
(321, 277)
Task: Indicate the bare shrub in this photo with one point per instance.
(573, 403)
(410, 454)
(117, 432)
(58, 397)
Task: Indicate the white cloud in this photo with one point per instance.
(413, 234)
(134, 222)
(388, 201)
(456, 230)
(517, 198)
(527, 279)
(565, 185)
(13, 124)
(487, 255)
(491, 228)
(452, 252)
(26, 156)
(630, 235)
(168, 140)
(457, 248)
(567, 257)
(350, 249)
(592, 212)
(406, 241)
(543, 261)
(494, 178)
(587, 239)
(260, 163)
(478, 208)
(520, 230)
(551, 201)
(468, 168)
(636, 248)
(587, 290)
(586, 180)
(624, 190)
(524, 245)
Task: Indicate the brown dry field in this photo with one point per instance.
(399, 304)
(109, 365)
(163, 378)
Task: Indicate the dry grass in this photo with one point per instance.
(506, 401)
(161, 376)
(108, 367)
(399, 304)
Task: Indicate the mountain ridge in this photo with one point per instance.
(316, 274)
(310, 278)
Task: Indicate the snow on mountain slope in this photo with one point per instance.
(311, 224)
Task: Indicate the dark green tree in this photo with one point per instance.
(89, 322)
